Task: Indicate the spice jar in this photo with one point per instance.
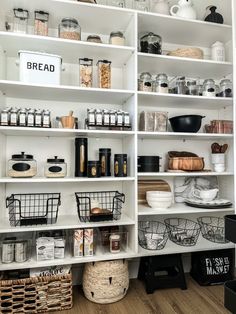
(86, 72)
(105, 161)
(112, 118)
(99, 117)
(104, 74)
(22, 117)
(21, 18)
(4, 117)
(91, 117)
(38, 118)
(117, 38)
(116, 3)
(226, 88)
(55, 168)
(218, 51)
(46, 119)
(115, 243)
(120, 118)
(142, 5)
(13, 117)
(106, 117)
(209, 88)
(94, 169)
(161, 84)
(192, 87)
(127, 119)
(22, 166)
(120, 165)
(151, 43)
(94, 39)
(69, 28)
(145, 82)
(41, 23)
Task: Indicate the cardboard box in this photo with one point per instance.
(78, 243)
(88, 242)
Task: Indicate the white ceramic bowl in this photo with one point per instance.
(159, 205)
(158, 194)
(159, 199)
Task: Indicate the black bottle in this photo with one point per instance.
(214, 16)
(81, 157)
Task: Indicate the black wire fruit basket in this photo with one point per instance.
(152, 235)
(33, 209)
(213, 229)
(99, 206)
(182, 231)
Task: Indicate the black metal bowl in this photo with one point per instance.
(187, 123)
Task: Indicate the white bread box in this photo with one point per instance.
(39, 67)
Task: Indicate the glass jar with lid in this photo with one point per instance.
(104, 73)
(86, 72)
(20, 23)
(30, 118)
(22, 117)
(192, 87)
(209, 88)
(4, 117)
(117, 38)
(13, 117)
(22, 166)
(41, 23)
(161, 84)
(69, 28)
(106, 117)
(55, 168)
(91, 117)
(226, 88)
(145, 82)
(116, 3)
(99, 117)
(94, 39)
(46, 117)
(142, 5)
(181, 87)
(151, 43)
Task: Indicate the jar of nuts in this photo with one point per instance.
(69, 28)
(104, 74)
(86, 72)
(41, 23)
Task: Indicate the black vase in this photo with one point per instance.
(214, 17)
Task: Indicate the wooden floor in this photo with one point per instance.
(197, 299)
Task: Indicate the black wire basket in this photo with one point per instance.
(99, 206)
(213, 229)
(182, 231)
(152, 235)
(33, 209)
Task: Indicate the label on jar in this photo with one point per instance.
(91, 118)
(13, 120)
(113, 119)
(4, 118)
(38, 120)
(116, 168)
(46, 121)
(99, 119)
(55, 169)
(127, 120)
(20, 166)
(21, 252)
(30, 121)
(103, 164)
(106, 119)
(119, 119)
(8, 252)
(94, 171)
(22, 119)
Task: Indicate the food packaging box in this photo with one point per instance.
(88, 242)
(78, 243)
(59, 247)
(45, 248)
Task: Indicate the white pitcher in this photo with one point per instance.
(161, 7)
(184, 10)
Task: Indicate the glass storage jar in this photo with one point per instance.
(4, 117)
(86, 72)
(41, 23)
(94, 39)
(55, 168)
(106, 117)
(116, 3)
(181, 87)
(161, 84)
(69, 28)
(20, 23)
(209, 88)
(151, 43)
(91, 117)
(13, 117)
(145, 82)
(192, 87)
(104, 74)
(30, 118)
(22, 166)
(142, 5)
(117, 38)
(226, 88)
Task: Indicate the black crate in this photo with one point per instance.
(33, 209)
(230, 296)
(110, 203)
(230, 228)
(213, 229)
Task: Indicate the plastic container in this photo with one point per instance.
(86, 72)
(69, 28)
(20, 23)
(41, 23)
(192, 88)
(55, 168)
(104, 74)
(22, 166)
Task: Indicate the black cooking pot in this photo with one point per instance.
(188, 123)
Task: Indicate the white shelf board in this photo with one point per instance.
(65, 223)
(180, 209)
(175, 66)
(70, 133)
(64, 180)
(182, 101)
(183, 174)
(183, 31)
(172, 248)
(16, 89)
(175, 135)
(69, 50)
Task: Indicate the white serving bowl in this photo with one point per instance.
(159, 194)
(159, 205)
(159, 199)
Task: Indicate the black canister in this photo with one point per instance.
(81, 157)
(148, 163)
(120, 165)
(94, 169)
(105, 161)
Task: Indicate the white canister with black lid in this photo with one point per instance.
(55, 168)
(22, 166)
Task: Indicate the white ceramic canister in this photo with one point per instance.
(218, 51)
(218, 161)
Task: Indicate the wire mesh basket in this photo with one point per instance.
(33, 209)
(213, 229)
(182, 231)
(152, 235)
(99, 206)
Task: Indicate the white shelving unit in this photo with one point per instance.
(127, 63)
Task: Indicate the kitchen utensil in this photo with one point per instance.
(213, 16)
(184, 10)
(215, 148)
(151, 185)
(186, 123)
(224, 148)
(68, 122)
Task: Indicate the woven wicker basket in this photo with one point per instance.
(195, 53)
(106, 282)
(36, 295)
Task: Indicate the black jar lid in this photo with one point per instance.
(117, 156)
(105, 150)
(94, 163)
(104, 61)
(56, 160)
(81, 140)
(23, 156)
(117, 34)
(69, 20)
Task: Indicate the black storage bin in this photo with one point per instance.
(213, 267)
(230, 296)
(148, 163)
(230, 228)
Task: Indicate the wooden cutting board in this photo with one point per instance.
(150, 185)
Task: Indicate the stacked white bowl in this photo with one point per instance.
(159, 199)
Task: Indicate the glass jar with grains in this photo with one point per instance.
(86, 72)
(117, 38)
(104, 74)
(69, 28)
(41, 23)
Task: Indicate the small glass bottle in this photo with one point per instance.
(226, 88)
(30, 118)
(5, 117)
(69, 28)
(209, 88)
(46, 119)
(145, 82)
(22, 117)
(104, 74)
(116, 3)
(112, 118)
(91, 117)
(161, 84)
(127, 119)
(38, 118)
(41, 23)
(142, 5)
(21, 18)
(106, 118)
(99, 117)
(13, 117)
(120, 118)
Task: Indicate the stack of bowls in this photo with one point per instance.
(159, 199)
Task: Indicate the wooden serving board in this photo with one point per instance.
(150, 185)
